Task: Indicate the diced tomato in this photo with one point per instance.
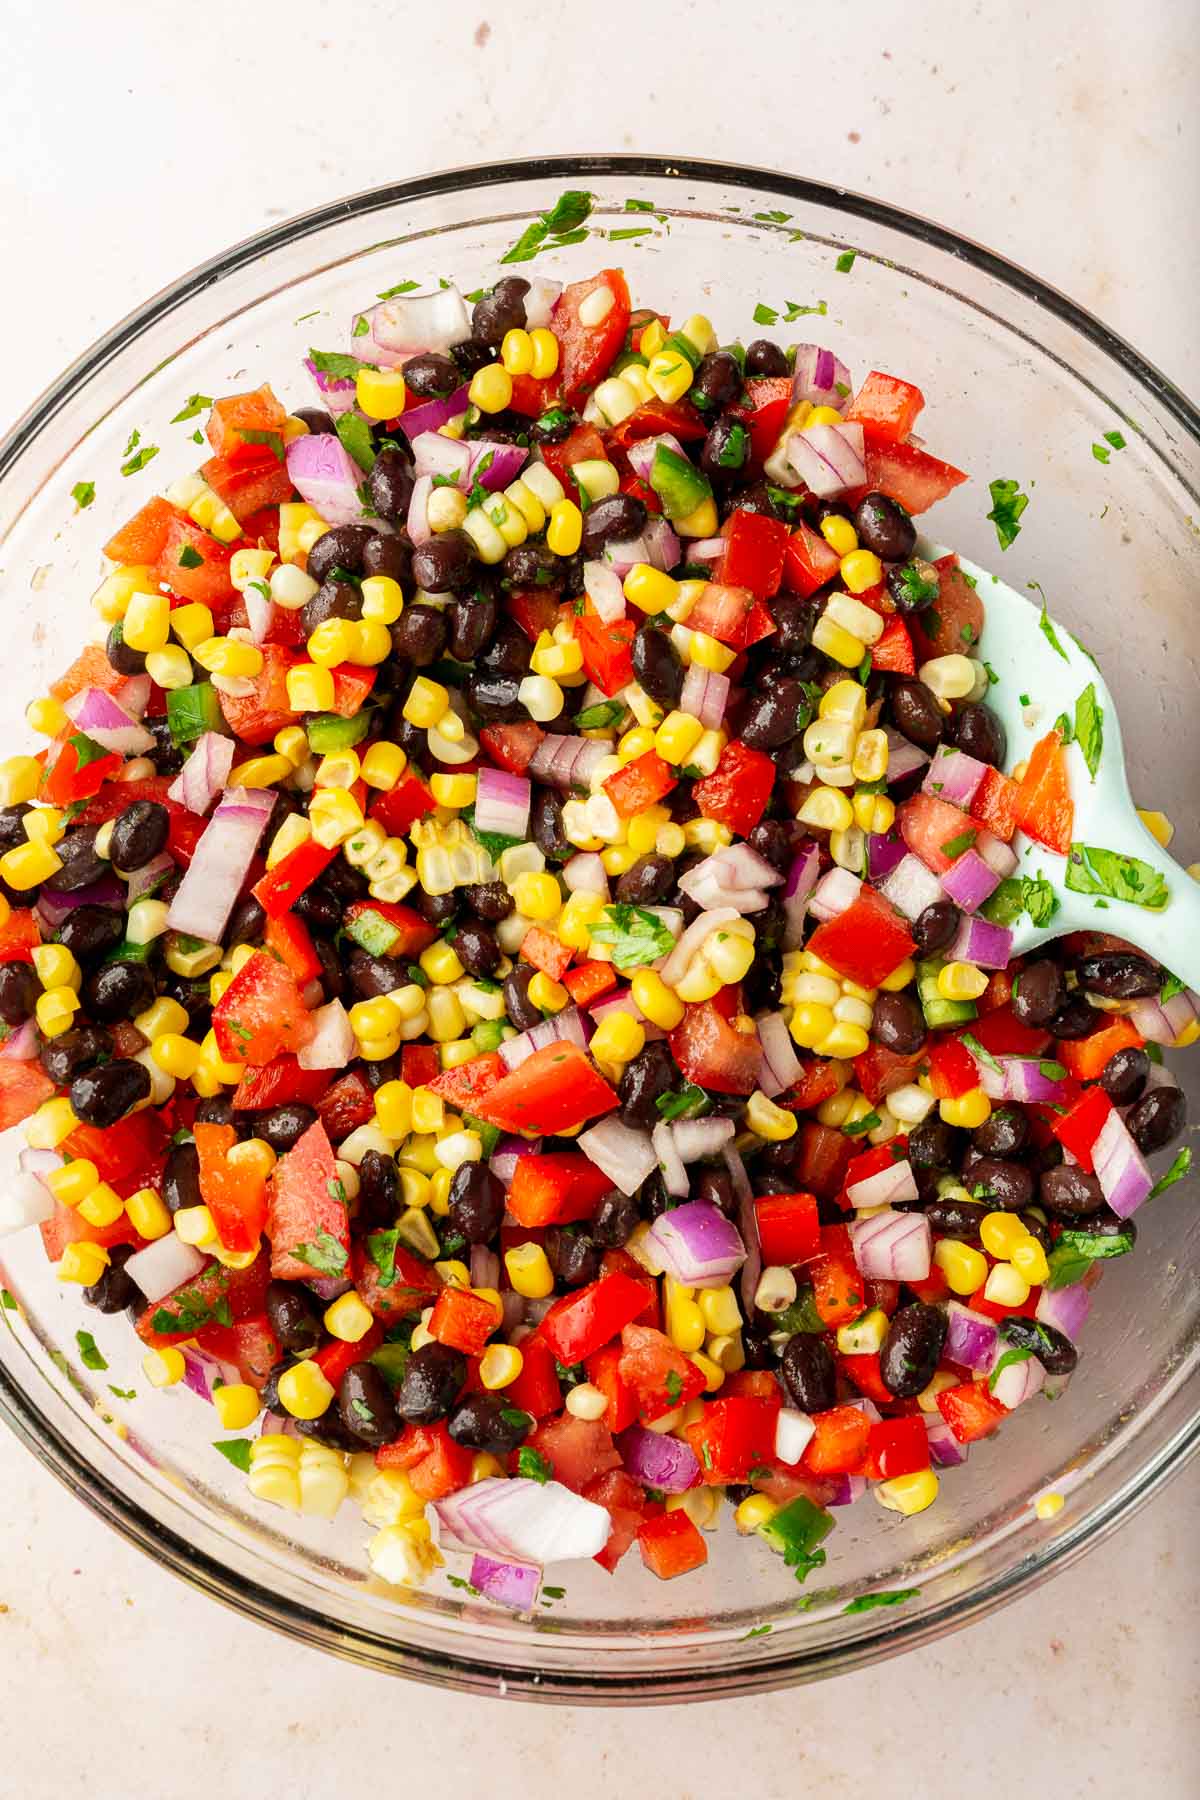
(953, 1071)
(349, 1103)
(128, 1155)
(67, 779)
(867, 942)
(880, 1071)
(418, 1064)
(257, 716)
(836, 1283)
(658, 1375)
(840, 1444)
(512, 747)
(115, 796)
(654, 417)
(413, 1286)
(711, 1053)
(935, 1287)
(532, 396)
(556, 1189)
(625, 1503)
(235, 1195)
(1001, 1033)
(994, 804)
(23, 1088)
(142, 538)
(818, 1081)
(638, 784)
(583, 1322)
(400, 807)
(226, 1296)
(546, 952)
(887, 405)
(554, 1090)
(578, 1450)
(755, 546)
(739, 788)
(619, 1262)
(1087, 1058)
(870, 1163)
(352, 683)
(589, 981)
(277, 1083)
(462, 1088)
(951, 626)
(536, 1389)
(207, 580)
(66, 1226)
(246, 485)
(788, 1228)
(762, 406)
(250, 1344)
(864, 1373)
(911, 476)
(587, 351)
(19, 935)
(434, 1463)
(734, 1436)
(91, 668)
(809, 563)
(239, 413)
(928, 824)
(261, 1014)
(261, 529)
(583, 445)
(892, 652)
(1044, 808)
(732, 615)
(607, 651)
(897, 1447)
(824, 1154)
(1078, 1128)
(282, 886)
(604, 1372)
(463, 1320)
(307, 1210)
(671, 1545)
(970, 1411)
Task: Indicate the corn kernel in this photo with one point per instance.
(709, 653)
(73, 1182)
(544, 346)
(682, 1318)
(618, 1039)
(838, 643)
(860, 570)
(839, 534)
(565, 530)
(827, 809)
(721, 1312)
(194, 1224)
(1005, 1286)
(874, 813)
(237, 1405)
(163, 1368)
(427, 701)
(949, 677)
(1158, 825)
(47, 716)
(310, 688)
(1000, 1233)
(1048, 1506)
(55, 1010)
(754, 1511)
(334, 815)
(348, 1319)
(677, 737)
(380, 393)
(1029, 1260)
(56, 967)
(441, 964)
(908, 1494)
(669, 374)
(500, 1365)
(649, 589)
(29, 864)
(870, 759)
(844, 1040)
(101, 1207)
(969, 1111)
(766, 1120)
(529, 1271)
(304, 1392)
(863, 1336)
(491, 388)
(147, 621)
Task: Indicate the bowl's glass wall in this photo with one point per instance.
(1017, 386)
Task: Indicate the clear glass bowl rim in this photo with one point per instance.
(893, 1633)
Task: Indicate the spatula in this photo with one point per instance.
(1134, 889)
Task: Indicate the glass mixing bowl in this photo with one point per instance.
(1020, 383)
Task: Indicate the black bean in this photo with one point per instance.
(495, 698)
(916, 714)
(318, 907)
(432, 1382)
(884, 527)
(470, 623)
(794, 621)
(490, 1422)
(554, 426)
(195, 999)
(333, 600)
(725, 451)
(716, 1187)
(1037, 1228)
(1005, 1133)
(80, 864)
(649, 879)
(477, 949)
(1105, 1223)
(1038, 992)
(283, 1126)
(247, 922)
(531, 565)
(343, 547)
(419, 635)
(319, 422)
(431, 376)
(765, 358)
(378, 1198)
(500, 311)
(445, 564)
(181, 1177)
(470, 356)
(1157, 1118)
(772, 840)
(913, 586)
(66, 1056)
(138, 835)
(933, 1144)
(546, 825)
(509, 651)
(912, 1348)
(809, 1372)
(116, 1288)
(218, 1110)
(124, 660)
(101, 1096)
(935, 926)
(389, 552)
(293, 1315)
(1008, 1186)
(613, 520)
(476, 1202)
(653, 1198)
(520, 1008)
(574, 1258)
(616, 1219)
(118, 991)
(373, 975)
(1119, 975)
(488, 900)
(437, 908)
(1125, 1075)
(773, 715)
(1069, 1193)
(644, 1079)
(19, 990)
(1074, 1018)
(979, 732)
(958, 1219)
(1053, 1348)
(898, 1024)
(717, 381)
(657, 666)
(12, 826)
(366, 1407)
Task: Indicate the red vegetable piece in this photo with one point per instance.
(836, 1283)
(307, 1211)
(739, 788)
(555, 1189)
(713, 1054)
(207, 580)
(866, 943)
(583, 1322)
(413, 1286)
(1087, 1058)
(604, 1372)
(281, 887)
(659, 1376)
(1044, 809)
(587, 351)
(350, 1102)
(555, 1089)
(887, 405)
(463, 1320)
(434, 1463)
(994, 804)
(824, 1154)
(261, 1014)
(928, 825)
(734, 1436)
(839, 1446)
(640, 783)
(235, 1195)
(952, 625)
(624, 1500)
(511, 747)
(755, 546)
(247, 484)
(23, 1088)
(257, 716)
(788, 1228)
(892, 652)
(578, 1450)
(970, 1411)
(546, 952)
(141, 540)
(1079, 1127)
(952, 1069)
(671, 1545)
(897, 1447)
(607, 651)
(911, 476)
(536, 1389)
(762, 407)
(464, 1087)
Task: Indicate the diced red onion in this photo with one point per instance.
(696, 1139)
(148, 877)
(624, 1002)
(38, 1162)
(204, 774)
(657, 1460)
(502, 802)
(687, 946)
(641, 455)
(325, 476)
(820, 377)
(202, 1372)
(944, 1448)
(904, 757)
(734, 876)
(163, 1266)
(829, 459)
(504, 462)
(565, 1027)
(337, 392)
(1017, 1381)
(953, 776)
(53, 907)
(781, 1067)
(996, 853)
(705, 695)
(21, 1045)
(566, 761)
(911, 887)
(435, 454)
(329, 1287)
(208, 892)
(802, 878)
(332, 1043)
(663, 548)
(410, 323)
(674, 1175)
(747, 1224)
(866, 1406)
(24, 1200)
(847, 1489)
(585, 873)
(260, 610)
(698, 1246)
(620, 558)
(525, 1521)
(893, 1246)
(134, 695)
(1025, 1082)
(512, 1305)
(540, 301)
(979, 941)
(969, 881)
(433, 414)
(508, 1152)
(506, 1584)
(95, 713)
(794, 1431)
(706, 550)
(417, 520)
(834, 894)
(889, 1187)
(626, 1156)
(1065, 1309)
(970, 1338)
(1120, 1167)
(1163, 1024)
(602, 586)
(883, 855)
(485, 1267)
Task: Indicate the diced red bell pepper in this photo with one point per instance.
(824, 1154)
(713, 1054)
(1087, 1058)
(546, 952)
(734, 1436)
(865, 1374)
(236, 1196)
(238, 413)
(992, 1309)
(619, 1262)
(839, 1446)
(935, 1287)
(24, 1086)
(897, 1447)
(511, 747)
(206, 580)
(871, 1162)
(67, 779)
(604, 1372)
(583, 1322)
(738, 790)
(282, 886)
(434, 1463)
(625, 1503)
(128, 1155)
(671, 1545)
(660, 1377)
(533, 395)
(640, 783)
(953, 1071)
(1044, 809)
(1001, 1033)
(288, 938)
(755, 546)
(248, 486)
(970, 1411)
(462, 1088)
(352, 684)
(400, 807)
(586, 352)
(462, 1320)
(866, 943)
(735, 616)
(388, 928)
(607, 650)
(809, 563)
(654, 417)
(534, 609)
(788, 1228)
(418, 1064)
(589, 981)
(1078, 1128)
(904, 473)
(892, 652)
(994, 804)
(536, 1389)
(762, 406)
(337, 1357)
(578, 1450)
(836, 1282)
(880, 1071)
(256, 717)
(413, 1285)
(346, 1105)
(19, 936)
(261, 1014)
(554, 1090)
(555, 1189)
(887, 405)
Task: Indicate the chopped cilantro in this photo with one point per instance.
(772, 218)
(757, 1631)
(89, 1355)
(1170, 987)
(863, 671)
(355, 435)
(1017, 894)
(918, 587)
(83, 493)
(1008, 503)
(135, 463)
(7, 1300)
(980, 1054)
(764, 315)
(794, 310)
(534, 1466)
(190, 557)
(1009, 1357)
(1093, 870)
(955, 846)
(197, 437)
(555, 228)
(635, 935)
(325, 1254)
(845, 262)
(1101, 452)
(381, 1248)
(86, 749)
(123, 1393)
(236, 1451)
(401, 287)
(868, 1602)
(639, 206)
(189, 1310)
(1176, 1172)
(1023, 699)
(554, 1593)
(629, 231)
(991, 674)
(335, 363)
(195, 406)
(600, 716)
(1089, 727)
(858, 1126)
(271, 439)
(688, 1103)
(1051, 1070)
(1046, 627)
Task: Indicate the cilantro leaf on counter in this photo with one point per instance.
(195, 406)
(89, 1354)
(561, 225)
(83, 493)
(1008, 503)
(236, 1451)
(335, 363)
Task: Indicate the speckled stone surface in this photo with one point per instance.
(142, 139)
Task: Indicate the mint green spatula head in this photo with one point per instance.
(1118, 878)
